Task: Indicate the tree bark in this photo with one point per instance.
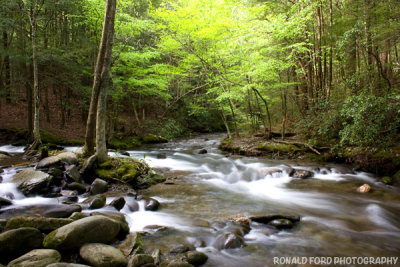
(267, 113)
(7, 68)
(97, 81)
(36, 133)
(101, 147)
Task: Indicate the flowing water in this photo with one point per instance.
(208, 188)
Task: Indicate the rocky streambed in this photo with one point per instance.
(209, 209)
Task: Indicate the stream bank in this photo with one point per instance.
(385, 163)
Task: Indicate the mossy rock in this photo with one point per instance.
(273, 147)
(124, 142)
(41, 223)
(153, 139)
(127, 170)
(107, 165)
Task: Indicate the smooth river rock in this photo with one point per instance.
(36, 258)
(196, 258)
(30, 181)
(101, 255)
(14, 243)
(67, 157)
(82, 231)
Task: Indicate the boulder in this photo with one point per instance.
(196, 258)
(14, 243)
(37, 258)
(41, 223)
(73, 173)
(98, 186)
(281, 223)
(4, 202)
(66, 157)
(140, 260)
(132, 244)
(101, 255)
(300, 174)
(31, 181)
(151, 204)
(82, 231)
(117, 217)
(88, 169)
(118, 203)
(61, 211)
(229, 240)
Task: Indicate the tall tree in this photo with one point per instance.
(100, 75)
(33, 26)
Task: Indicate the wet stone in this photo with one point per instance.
(196, 258)
(118, 203)
(151, 204)
(98, 186)
(37, 258)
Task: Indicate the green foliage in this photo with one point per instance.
(369, 120)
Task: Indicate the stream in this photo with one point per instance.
(205, 189)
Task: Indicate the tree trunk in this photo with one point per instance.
(228, 131)
(91, 121)
(101, 147)
(267, 113)
(7, 68)
(36, 133)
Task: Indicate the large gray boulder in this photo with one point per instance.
(36, 258)
(93, 229)
(14, 243)
(67, 157)
(101, 255)
(31, 181)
